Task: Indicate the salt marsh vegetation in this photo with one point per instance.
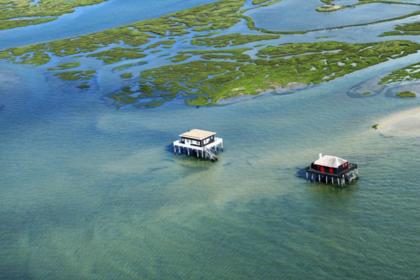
(409, 73)
(223, 69)
(213, 78)
(18, 13)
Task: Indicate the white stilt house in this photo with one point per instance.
(200, 143)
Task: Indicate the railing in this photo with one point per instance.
(211, 155)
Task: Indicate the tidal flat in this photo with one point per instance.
(401, 124)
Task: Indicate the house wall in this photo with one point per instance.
(197, 142)
(208, 140)
(330, 170)
(325, 169)
(191, 142)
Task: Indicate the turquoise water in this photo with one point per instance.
(301, 15)
(91, 192)
(88, 191)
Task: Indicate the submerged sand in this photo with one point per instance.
(8, 78)
(403, 124)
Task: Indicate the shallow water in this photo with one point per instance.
(301, 15)
(91, 192)
(88, 191)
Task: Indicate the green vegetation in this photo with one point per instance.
(229, 73)
(211, 75)
(117, 54)
(84, 86)
(127, 75)
(329, 8)
(17, 13)
(34, 58)
(64, 66)
(83, 44)
(124, 96)
(13, 23)
(232, 54)
(303, 49)
(180, 57)
(231, 40)
(405, 29)
(406, 94)
(128, 65)
(409, 73)
(403, 2)
(76, 75)
(213, 16)
(264, 2)
(165, 44)
(257, 2)
(375, 126)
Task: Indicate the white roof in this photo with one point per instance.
(197, 134)
(330, 161)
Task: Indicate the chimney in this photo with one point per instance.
(320, 155)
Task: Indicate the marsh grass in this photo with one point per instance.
(18, 13)
(224, 74)
(406, 94)
(127, 75)
(76, 75)
(409, 73)
(234, 39)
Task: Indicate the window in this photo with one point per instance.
(195, 143)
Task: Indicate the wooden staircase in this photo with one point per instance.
(212, 156)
